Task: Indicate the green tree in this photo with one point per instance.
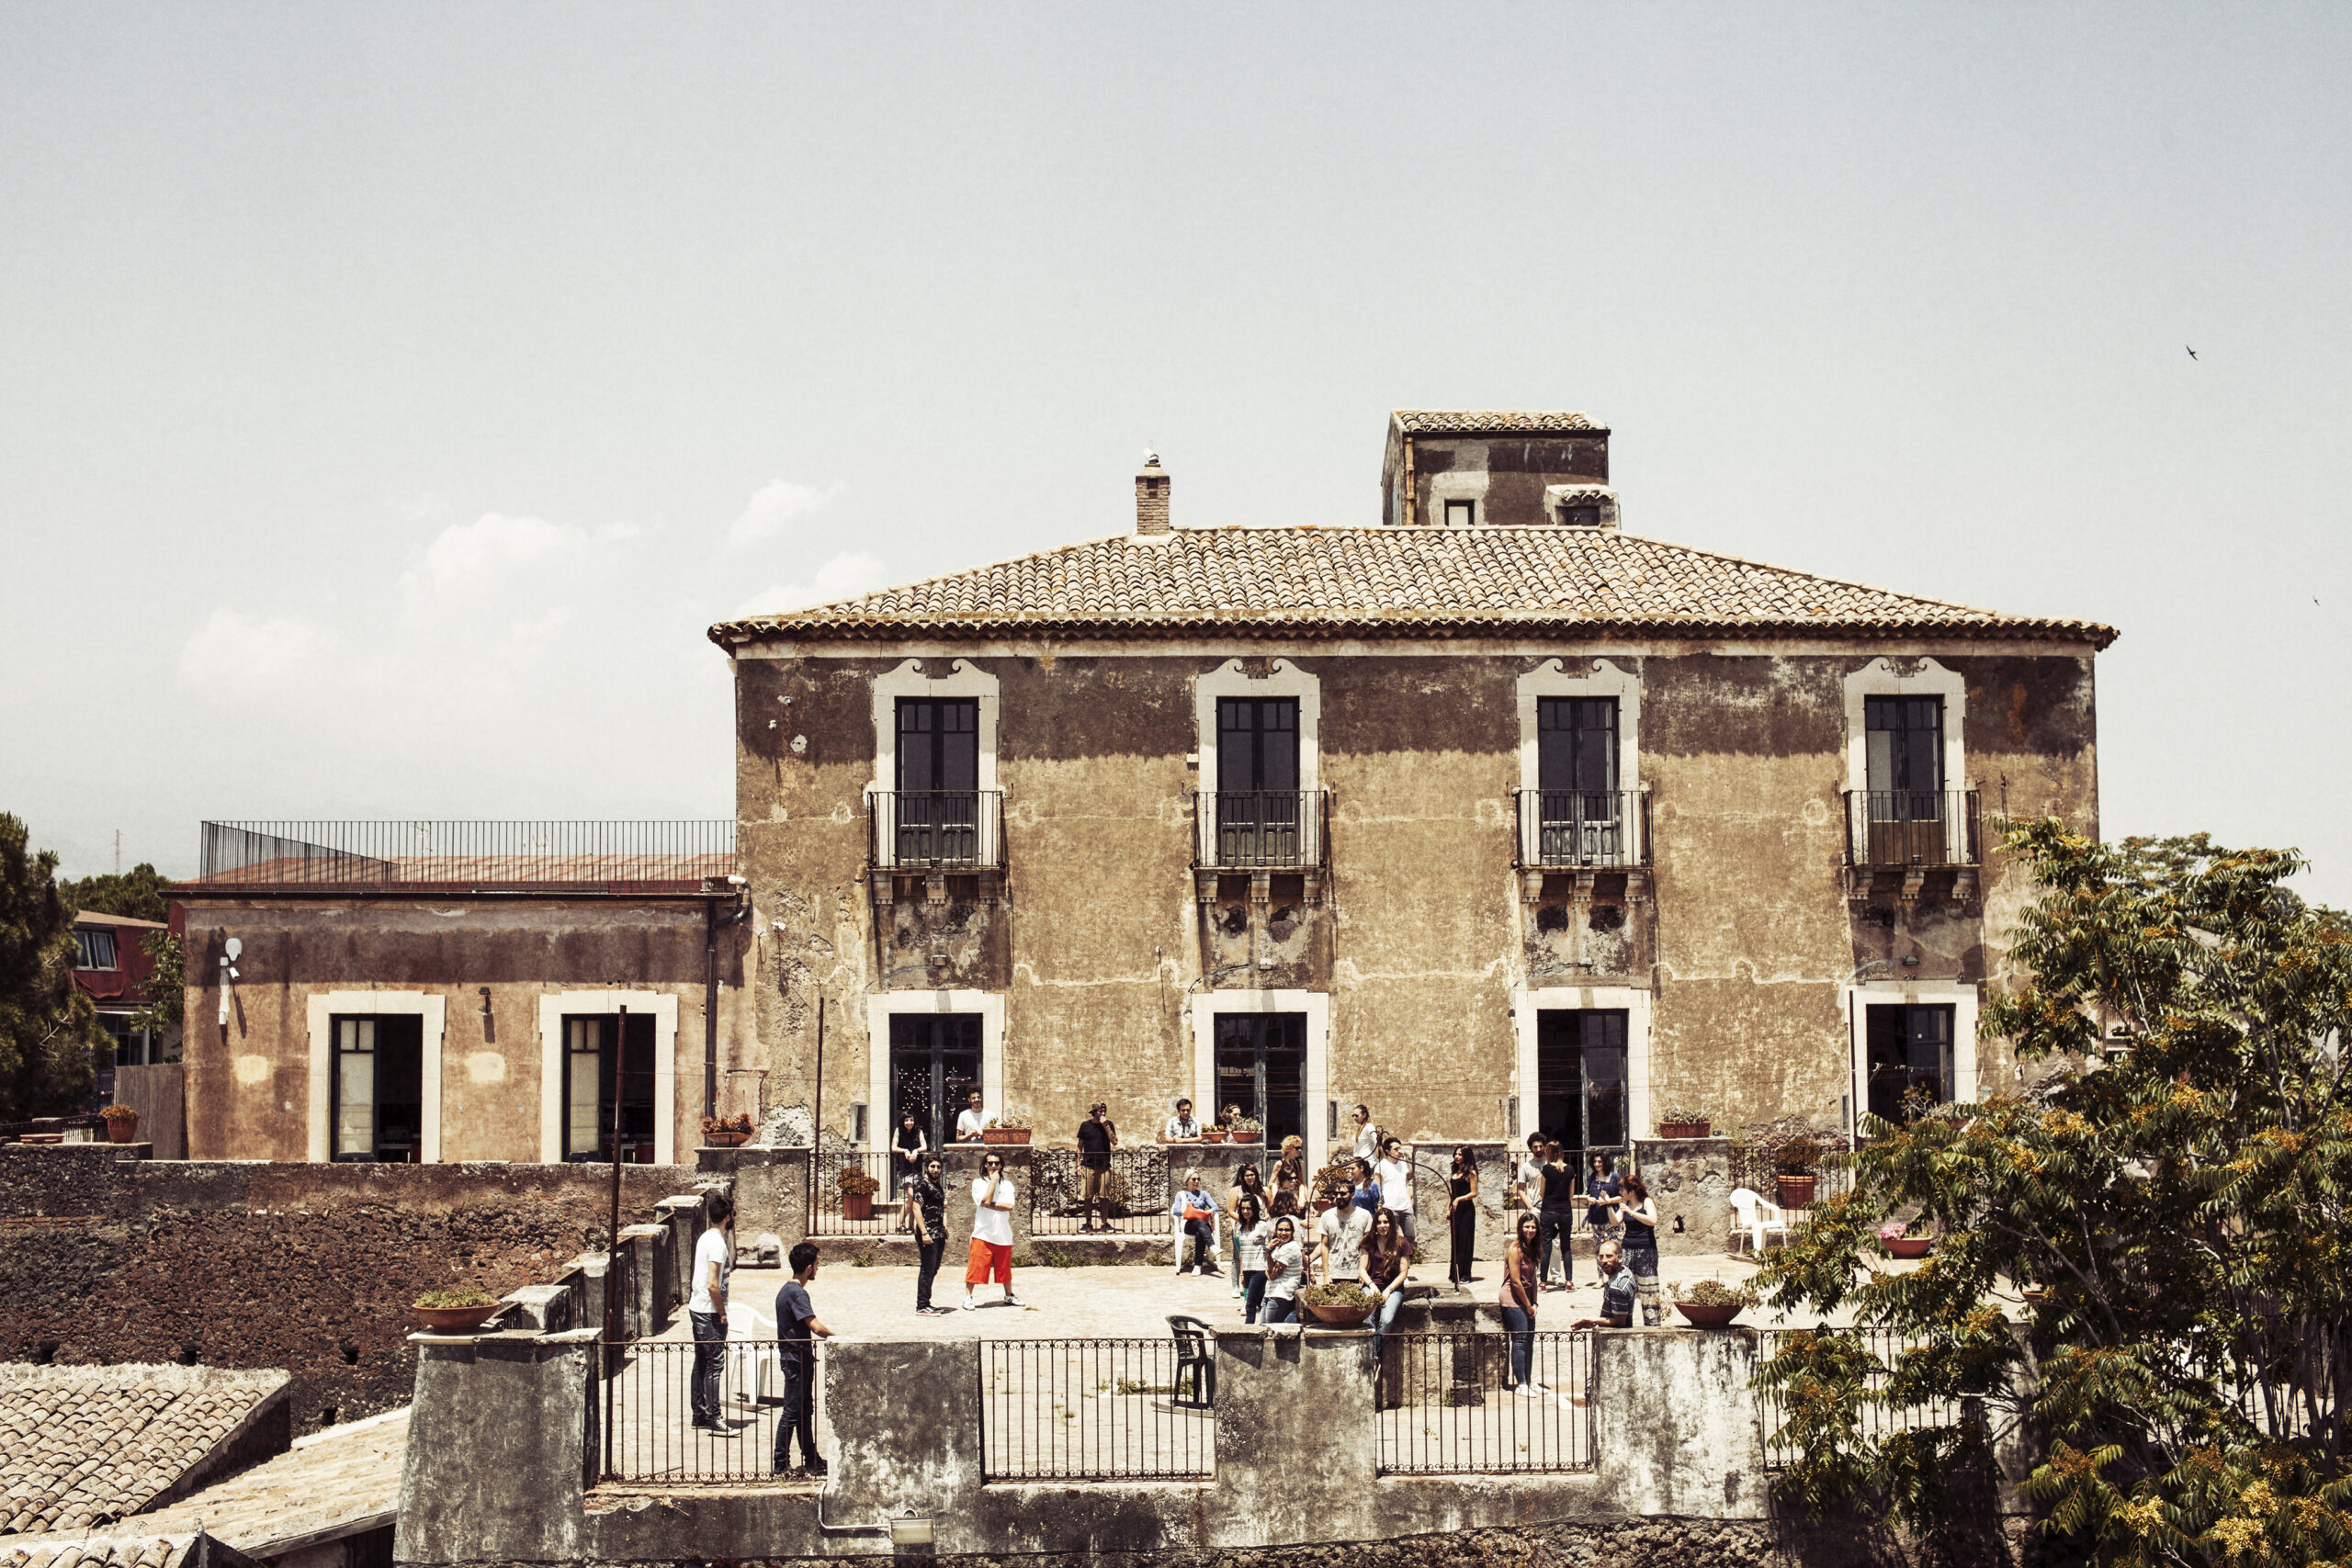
(48, 1030)
(2182, 1211)
(143, 893)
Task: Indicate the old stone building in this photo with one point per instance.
(422, 992)
(1493, 814)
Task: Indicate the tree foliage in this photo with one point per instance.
(47, 1028)
(2183, 1212)
(143, 893)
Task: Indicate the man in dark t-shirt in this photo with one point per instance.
(797, 1330)
(1096, 1138)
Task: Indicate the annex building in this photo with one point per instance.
(1490, 812)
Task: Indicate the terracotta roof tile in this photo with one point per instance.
(83, 1447)
(1388, 583)
(1479, 422)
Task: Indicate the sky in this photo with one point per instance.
(391, 396)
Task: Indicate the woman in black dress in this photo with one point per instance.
(1462, 1215)
(908, 1145)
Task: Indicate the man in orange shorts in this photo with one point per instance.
(991, 1256)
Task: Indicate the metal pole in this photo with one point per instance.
(710, 1009)
(817, 1119)
(613, 1237)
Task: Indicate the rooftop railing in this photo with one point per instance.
(434, 856)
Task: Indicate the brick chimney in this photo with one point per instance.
(1151, 498)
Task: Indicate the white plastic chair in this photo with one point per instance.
(1183, 1241)
(1759, 1217)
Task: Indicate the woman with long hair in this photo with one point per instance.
(1285, 1271)
(1632, 1205)
(1388, 1269)
(1461, 1216)
(1290, 1171)
(1250, 1231)
(1518, 1296)
(1248, 1181)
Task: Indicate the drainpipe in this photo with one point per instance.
(712, 921)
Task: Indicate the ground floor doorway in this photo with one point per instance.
(935, 1070)
(377, 1089)
(1909, 1049)
(1262, 1068)
(1580, 1082)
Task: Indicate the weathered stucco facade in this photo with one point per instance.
(1731, 914)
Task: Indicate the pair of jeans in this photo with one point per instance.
(710, 1352)
(1519, 1324)
(798, 1412)
(1384, 1318)
(1282, 1309)
(1554, 1223)
(1253, 1293)
(929, 1255)
(1203, 1237)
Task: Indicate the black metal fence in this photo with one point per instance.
(1095, 1410)
(935, 829)
(1890, 828)
(1583, 828)
(648, 1429)
(1253, 829)
(1136, 1192)
(853, 1194)
(625, 856)
(1484, 1403)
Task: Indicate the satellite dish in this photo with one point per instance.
(236, 949)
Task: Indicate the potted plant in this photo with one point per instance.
(122, 1124)
(1212, 1134)
(457, 1311)
(998, 1131)
(727, 1131)
(1334, 1184)
(1794, 1169)
(1339, 1304)
(1710, 1304)
(1893, 1235)
(858, 1192)
(1247, 1130)
(1685, 1122)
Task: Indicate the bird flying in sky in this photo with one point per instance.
(2192, 353)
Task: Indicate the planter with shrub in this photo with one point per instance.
(858, 1192)
(727, 1131)
(998, 1131)
(1710, 1304)
(1898, 1244)
(1339, 1304)
(1795, 1172)
(1685, 1122)
(456, 1310)
(122, 1124)
(1247, 1131)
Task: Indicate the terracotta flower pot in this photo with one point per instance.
(457, 1320)
(1909, 1245)
(1704, 1317)
(122, 1129)
(1246, 1137)
(1336, 1316)
(1796, 1191)
(1212, 1136)
(1004, 1135)
(857, 1205)
(1684, 1129)
(725, 1140)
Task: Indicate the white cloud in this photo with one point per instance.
(845, 576)
(774, 506)
(237, 654)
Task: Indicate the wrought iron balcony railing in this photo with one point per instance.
(935, 829)
(1892, 827)
(1250, 830)
(1583, 829)
(437, 856)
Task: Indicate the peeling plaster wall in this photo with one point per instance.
(1744, 933)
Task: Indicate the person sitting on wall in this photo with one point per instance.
(971, 1122)
(797, 1330)
(1618, 1290)
(1196, 1211)
(908, 1147)
(1182, 1128)
(1097, 1136)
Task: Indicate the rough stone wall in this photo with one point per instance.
(248, 1082)
(1744, 941)
(309, 1267)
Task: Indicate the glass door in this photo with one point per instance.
(939, 780)
(1910, 1059)
(596, 1065)
(934, 1068)
(377, 1089)
(1261, 1068)
(1576, 776)
(1903, 763)
(1580, 1082)
(1257, 780)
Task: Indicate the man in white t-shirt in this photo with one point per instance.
(1343, 1227)
(1394, 1174)
(1530, 1173)
(707, 1310)
(992, 1251)
(969, 1122)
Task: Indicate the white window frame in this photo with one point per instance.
(663, 1006)
(320, 1011)
(1638, 1004)
(880, 1009)
(1205, 1008)
(1926, 678)
(1287, 680)
(1961, 995)
(963, 679)
(1599, 678)
(1458, 484)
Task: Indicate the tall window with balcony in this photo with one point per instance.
(1580, 817)
(1904, 762)
(597, 1065)
(379, 1089)
(1261, 817)
(936, 809)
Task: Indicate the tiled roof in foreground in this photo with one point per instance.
(84, 1447)
(1481, 422)
(1389, 583)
